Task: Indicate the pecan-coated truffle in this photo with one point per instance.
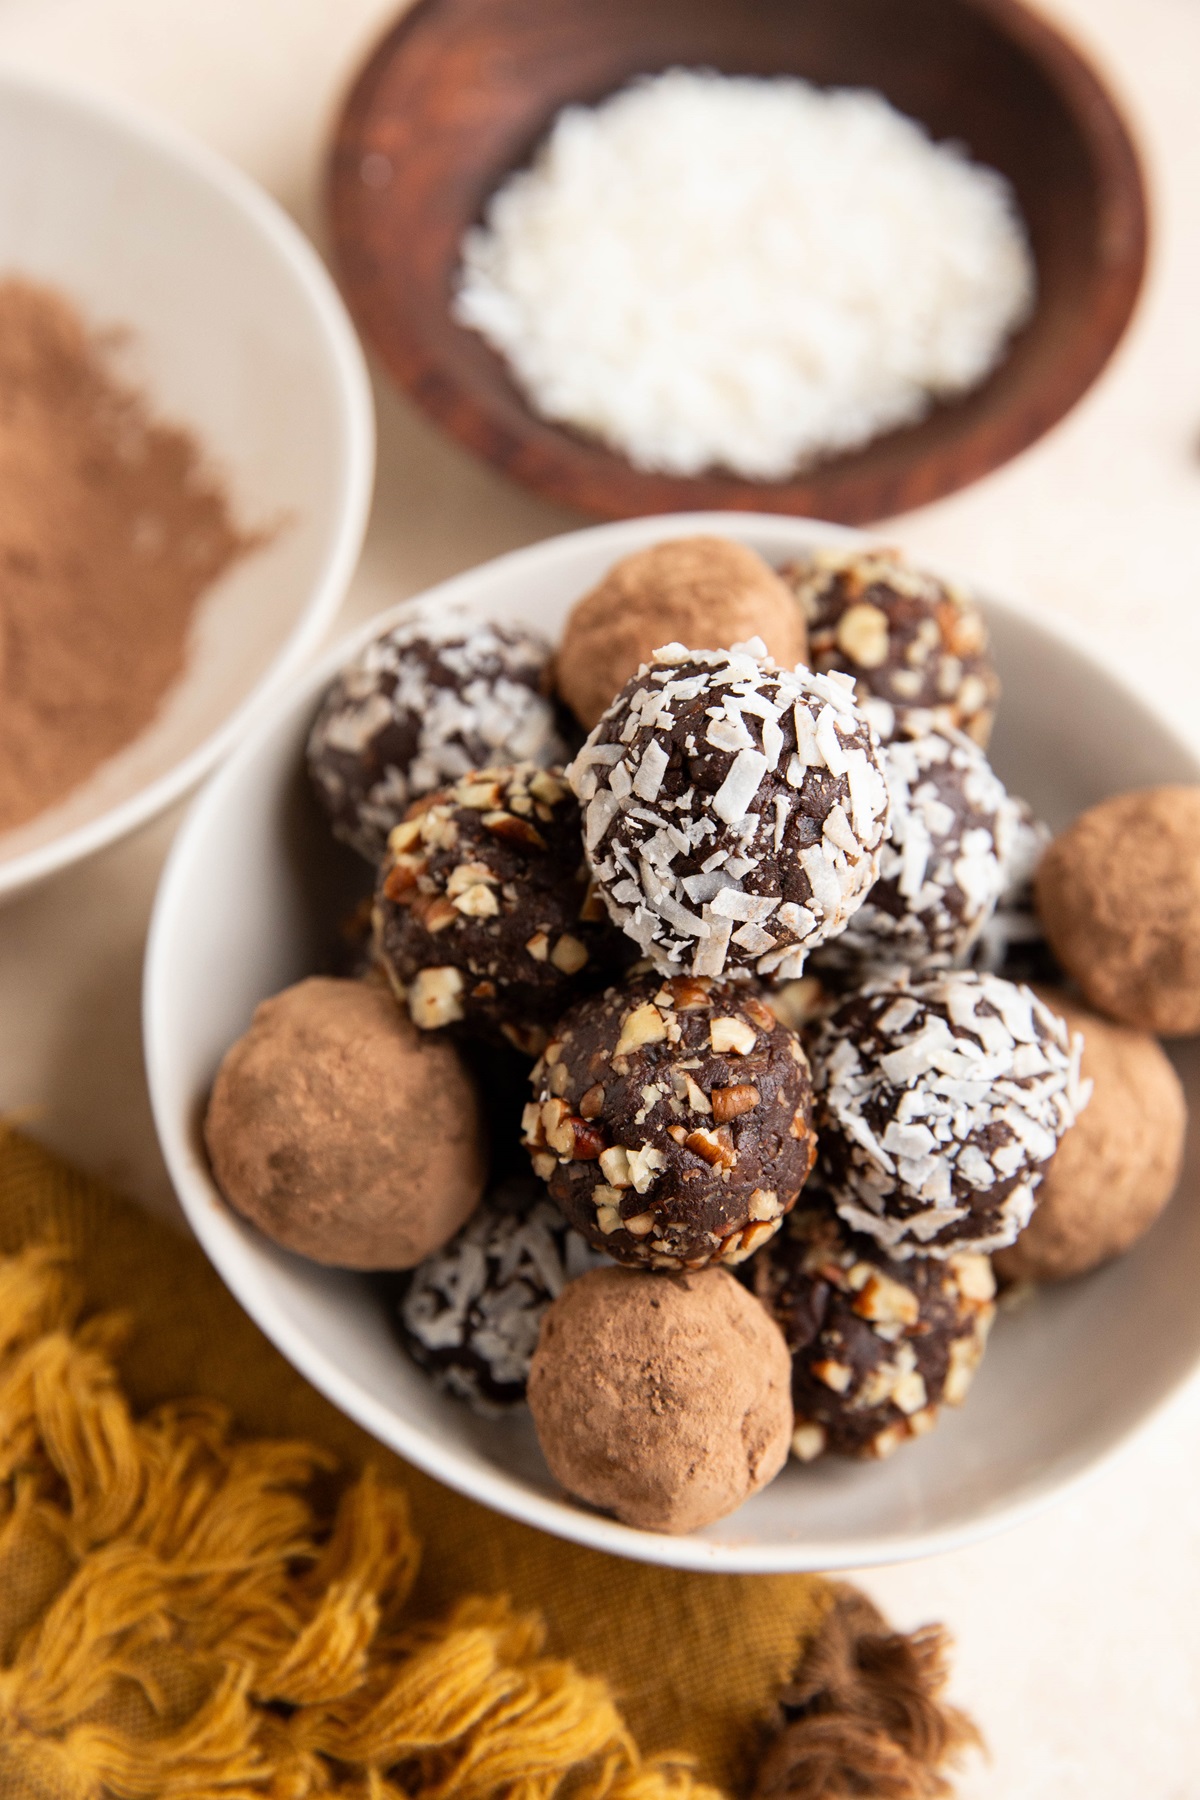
(707, 592)
(733, 811)
(661, 1399)
(877, 1345)
(939, 1102)
(910, 640)
(483, 915)
(670, 1120)
(1118, 893)
(437, 695)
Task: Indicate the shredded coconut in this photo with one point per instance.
(798, 863)
(712, 270)
(942, 1099)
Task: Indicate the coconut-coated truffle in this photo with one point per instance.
(706, 592)
(671, 1121)
(914, 644)
(470, 1313)
(877, 1345)
(483, 915)
(663, 1399)
(944, 863)
(1012, 942)
(939, 1102)
(344, 1133)
(1117, 1166)
(435, 696)
(1118, 893)
(733, 811)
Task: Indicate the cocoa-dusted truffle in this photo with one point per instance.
(470, 1313)
(661, 1399)
(1117, 1166)
(1119, 895)
(944, 862)
(706, 592)
(908, 639)
(483, 915)
(939, 1101)
(343, 1133)
(733, 810)
(877, 1345)
(436, 696)
(671, 1121)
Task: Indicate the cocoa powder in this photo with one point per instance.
(111, 528)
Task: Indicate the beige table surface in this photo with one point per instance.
(1080, 1631)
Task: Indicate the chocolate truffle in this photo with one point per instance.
(343, 1133)
(1118, 1165)
(1118, 893)
(470, 1313)
(670, 1120)
(483, 914)
(706, 592)
(661, 1399)
(434, 697)
(1012, 942)
(877, 1345)
(943, 864)
(733, 810)
(909, 640)
(939, 1101)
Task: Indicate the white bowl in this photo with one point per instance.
(1066, 1378)
(237, 331)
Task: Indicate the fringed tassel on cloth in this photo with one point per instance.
(185, 1614)
(191, 1612)
(863, 1718)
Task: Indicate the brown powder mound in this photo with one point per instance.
(1117, 1166)
(707, 593)
(110, 530)
(664, 1399)
(1118, 894)
(343, 1132)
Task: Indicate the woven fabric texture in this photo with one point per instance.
(678, 1661)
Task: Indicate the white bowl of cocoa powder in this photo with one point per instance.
(186, 457)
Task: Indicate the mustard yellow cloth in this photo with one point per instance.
(243, 1595)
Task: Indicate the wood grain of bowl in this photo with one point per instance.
(459, 93)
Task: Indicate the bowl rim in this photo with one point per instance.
(491, 1486)
(312, 281)
(568, 469)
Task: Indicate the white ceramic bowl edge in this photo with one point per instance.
(1064, 1383)
(148, 228)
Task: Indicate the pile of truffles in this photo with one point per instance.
(745, 978)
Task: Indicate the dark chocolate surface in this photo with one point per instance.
(877, 1345)
(670, 1120)
(483, 914)
(943, 865)
(733, 811)
(908, 639)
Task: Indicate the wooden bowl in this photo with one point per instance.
(460, 92)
